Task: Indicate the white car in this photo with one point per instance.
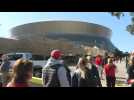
(38, 61)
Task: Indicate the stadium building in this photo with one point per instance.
(76, 33)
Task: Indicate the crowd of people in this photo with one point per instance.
(88, 72)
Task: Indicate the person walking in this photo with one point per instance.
(54, 73)
(83, 76)
(110, 70)
(94, 71)
(130, 71)
(22, 74)
(4, 69)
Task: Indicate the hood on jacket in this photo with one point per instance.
(51, 61)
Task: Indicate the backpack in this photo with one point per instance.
(50, 77)
(68, 73)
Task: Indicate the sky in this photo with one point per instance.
(120, 37)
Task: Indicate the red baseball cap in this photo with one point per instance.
(56, 54)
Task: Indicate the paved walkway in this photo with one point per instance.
(121, 70)
(121, 75)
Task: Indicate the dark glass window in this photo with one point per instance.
(15, 56)
(37, 57)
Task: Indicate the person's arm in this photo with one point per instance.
(129, 80)
(129, 72)
(96, 74)
(95, 71)
(62, 75)
(74, 80)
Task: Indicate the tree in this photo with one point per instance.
(130, 27)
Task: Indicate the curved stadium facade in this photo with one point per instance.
(78, 33)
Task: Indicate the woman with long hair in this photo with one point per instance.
(22, 74)
(92, 67)
(83, 76)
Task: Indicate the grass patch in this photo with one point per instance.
(36, 81)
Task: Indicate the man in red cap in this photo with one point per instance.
(54, 74)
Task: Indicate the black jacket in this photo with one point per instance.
(68, 74)
(91, 78)
(96, 77)
(130, 72)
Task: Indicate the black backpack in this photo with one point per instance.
(50, 76)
